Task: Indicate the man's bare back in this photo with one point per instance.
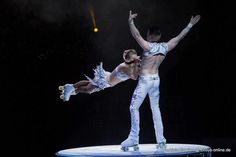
(150, 64)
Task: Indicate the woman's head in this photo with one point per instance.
(153, 34)
(130, 55)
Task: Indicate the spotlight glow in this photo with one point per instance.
(95, 29)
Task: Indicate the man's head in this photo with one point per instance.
(153, 34)
(130, 55)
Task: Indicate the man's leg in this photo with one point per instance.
(157, 120)
(137, 99)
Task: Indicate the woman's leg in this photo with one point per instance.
(81, 83)
(83, 86)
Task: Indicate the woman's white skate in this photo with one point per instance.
(66, 91)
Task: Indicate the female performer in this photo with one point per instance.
(129, 69)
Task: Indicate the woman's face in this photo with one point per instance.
(134, 57)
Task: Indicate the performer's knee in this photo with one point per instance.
(133, 108)
(136, 102)
(155, 106)
(154, 99)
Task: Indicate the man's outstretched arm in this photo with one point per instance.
(135, 32)
(174, 41)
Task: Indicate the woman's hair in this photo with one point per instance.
(127, 54)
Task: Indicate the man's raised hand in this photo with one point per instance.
(195, 19)
(132, 16)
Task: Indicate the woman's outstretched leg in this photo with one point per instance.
(81, 84)
(84, 86)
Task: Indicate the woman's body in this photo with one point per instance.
(104, 79)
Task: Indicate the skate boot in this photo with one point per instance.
(129, 143)
(161, 145)
(67, 91)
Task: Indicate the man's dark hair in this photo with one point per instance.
(154, 33)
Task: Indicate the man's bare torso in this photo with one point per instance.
(150, 64)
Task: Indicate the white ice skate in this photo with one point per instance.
(129, 143)
(67, 91)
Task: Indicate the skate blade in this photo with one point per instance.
(161, 146)
(125, 149)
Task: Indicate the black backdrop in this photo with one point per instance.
(44, 44)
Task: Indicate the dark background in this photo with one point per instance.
(44, 44)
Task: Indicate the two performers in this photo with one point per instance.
(146, 70)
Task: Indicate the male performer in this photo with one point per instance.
(154, 53)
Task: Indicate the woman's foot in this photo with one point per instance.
(67, 91)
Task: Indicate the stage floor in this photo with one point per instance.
(144, 150)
